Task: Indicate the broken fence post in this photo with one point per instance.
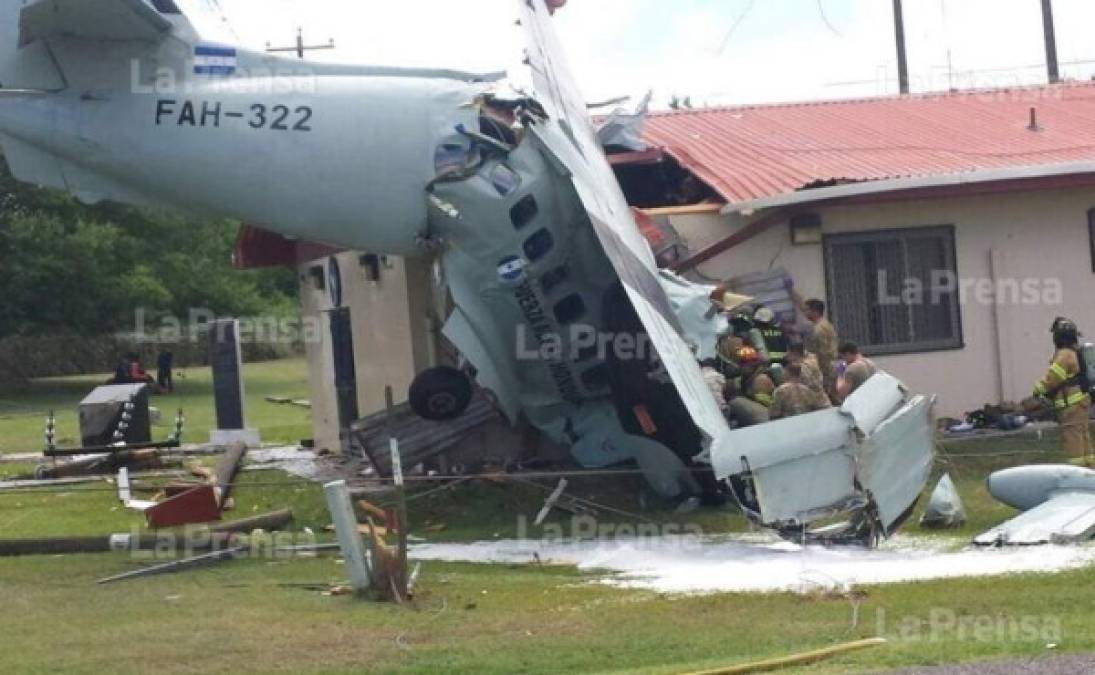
(349, 539)
(401, 583)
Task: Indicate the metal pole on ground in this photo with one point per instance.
(349, 539)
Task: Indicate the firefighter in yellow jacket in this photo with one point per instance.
(1061, 385)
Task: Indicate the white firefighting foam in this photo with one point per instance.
(751, 563)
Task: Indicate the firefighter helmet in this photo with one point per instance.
(1065, 331)
(764, 315)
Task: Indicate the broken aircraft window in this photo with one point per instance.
(552, 279)
(539, 245)
(570, 309)
(450, 157)
(523, 211)
(505, 180)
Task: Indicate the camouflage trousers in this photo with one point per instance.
(1076, 430)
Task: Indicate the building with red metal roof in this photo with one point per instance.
(754, 152)
(945, 231)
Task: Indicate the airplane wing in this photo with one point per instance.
(1066, 517)
(93, 19)
(568, 136)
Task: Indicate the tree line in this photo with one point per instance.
(70, 268)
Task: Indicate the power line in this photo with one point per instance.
(734, 27)
(825, 18)
(971, 71)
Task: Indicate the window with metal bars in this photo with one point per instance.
(895, 291)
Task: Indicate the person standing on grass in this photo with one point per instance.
(1062, 385)
(165, 378)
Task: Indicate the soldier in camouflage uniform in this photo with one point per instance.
(821, 340)
(794, 397)
(811, 372)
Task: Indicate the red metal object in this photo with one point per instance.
(650, 230)
(637, 158)
(256, 247)
(750, 152)
(186, 506)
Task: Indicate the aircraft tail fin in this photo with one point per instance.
(32, 33)
(21, 67)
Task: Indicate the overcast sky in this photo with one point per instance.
(715, 51)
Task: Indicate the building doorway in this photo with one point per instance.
(342, 348)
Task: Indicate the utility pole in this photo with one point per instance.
(300, 48)
(1051, 42)
(902, 56)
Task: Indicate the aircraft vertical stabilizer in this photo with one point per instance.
(23, 67)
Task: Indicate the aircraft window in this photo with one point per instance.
(166, 6)
(505, 180)
(596, 378)
(523, 211)
(539, 245)
(552, 279)
(570, 309)
(450, 157)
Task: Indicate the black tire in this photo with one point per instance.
(440, 394)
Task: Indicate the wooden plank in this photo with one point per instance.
(685, 210)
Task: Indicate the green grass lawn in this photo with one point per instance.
(267, 614)
(263, 614)
(257, 616)
(23, 413)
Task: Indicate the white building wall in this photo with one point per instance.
(389, 320)
(1038, 237)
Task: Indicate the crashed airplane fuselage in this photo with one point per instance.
(559, 305)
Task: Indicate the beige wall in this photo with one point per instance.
(389, 320)
(1040, 236)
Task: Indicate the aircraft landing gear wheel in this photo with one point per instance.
(440, 394)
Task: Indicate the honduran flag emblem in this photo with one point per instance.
(511, 270)
(214, 60)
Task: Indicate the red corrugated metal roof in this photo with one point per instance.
(756, 151)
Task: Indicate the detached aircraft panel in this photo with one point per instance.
(896, 460)
(568, 135)
(1067, 517)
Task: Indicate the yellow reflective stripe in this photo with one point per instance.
(1059, 371)
(777, 355)
(1072, 400)
(764, 399)
(1040, 388)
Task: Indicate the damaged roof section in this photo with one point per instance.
(755, 152)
